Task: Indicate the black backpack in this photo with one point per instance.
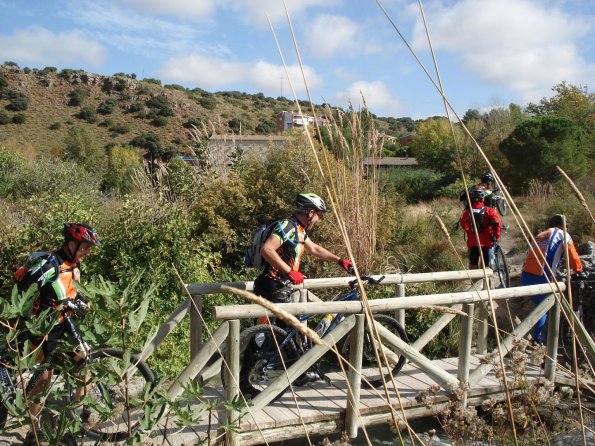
(253, 258)
(479, 217)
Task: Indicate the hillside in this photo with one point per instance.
(118, 108)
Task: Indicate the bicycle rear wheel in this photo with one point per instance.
(115, 397)
(500, 268)
(502, 206)
(372, 374)
(261, 360)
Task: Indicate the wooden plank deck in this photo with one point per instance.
(320, 409)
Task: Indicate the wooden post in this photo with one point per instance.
(356, 343)
(400, 314)
(195, 325)
(232, 379)
(465, 347)
(553, 331)
(482, 323)
(304, 299)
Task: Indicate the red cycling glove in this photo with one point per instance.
(295, 277)
(346, 265)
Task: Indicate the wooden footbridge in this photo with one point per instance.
(423, 387)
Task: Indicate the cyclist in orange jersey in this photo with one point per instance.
(550, 243)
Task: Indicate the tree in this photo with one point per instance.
(152, 145)
(470, 114)
(265, 128)
(80, 146)
(122, 162)
(571, 101)
(434, 147)
(539, 144)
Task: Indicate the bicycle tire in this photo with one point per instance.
(259, 360)
(6, 392)
(113, 405)
(371, 373)
(502, 205)
(500, 268)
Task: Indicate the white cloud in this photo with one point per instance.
(376, 94)
(214, 72)
(40, 46)
(184, 9)
(257, 11)
(523, 45)
(134, 32)
(330, 35)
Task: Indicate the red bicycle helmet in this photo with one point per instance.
(80, 233)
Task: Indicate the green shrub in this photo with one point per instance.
(161, 105)
(174, 87)
(54, 125)
(18, 100)
(265, 128)
(208, 102)
(88, 114)
(152, 81)
(107, 106)
(19, 118)
(159, 121)
(48, 70)
(136, 107)
(152, 235)
(4, 118)
(106, 123)
(20, 179)
(413, 183)
(120, 128)
(193, 121)
(76, 97)
(3, 82)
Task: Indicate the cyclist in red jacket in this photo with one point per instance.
(488, 225)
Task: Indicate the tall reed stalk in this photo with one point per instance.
(356, 184)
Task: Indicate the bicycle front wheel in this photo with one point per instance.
(374, 373)
(263, 358)
(115, 396)
(500, 267)
(7, 391)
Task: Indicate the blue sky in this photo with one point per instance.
(489, 52)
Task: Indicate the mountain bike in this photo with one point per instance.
(583, 292)
(115, 384)
(266, 350)
(500, 267)
(498, 200)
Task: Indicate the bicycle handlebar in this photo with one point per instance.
(366, 279)
(75, 305)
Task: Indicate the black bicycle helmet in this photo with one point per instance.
(478, 194)
(306, 201)
(81, 233)
(488, 178)
(557, 221)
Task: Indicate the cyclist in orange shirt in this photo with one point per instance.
(550, 243)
